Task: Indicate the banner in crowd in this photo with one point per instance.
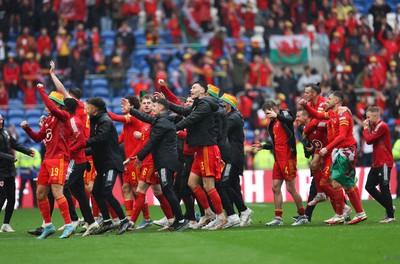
(256, 187)
(292, 49)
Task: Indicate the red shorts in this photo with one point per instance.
(147, 175)
(91, 175)
(207, 162)
(327, 166)
(284, 170)
(53, 171)
(131, 175)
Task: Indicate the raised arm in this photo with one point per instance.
(19, 147)
(60, 87)
(203, 110)
(180, 110)
(371, 137)
(142, 116)
(37, 137)
(60, 114)
(167, 92)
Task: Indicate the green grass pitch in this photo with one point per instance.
(367, 242)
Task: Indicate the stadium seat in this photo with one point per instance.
(249, 135)
(140, 54)
(101, 91)
(34, 112)
(15, 120)
(32, 120)
(117, 110)
(15, 102)
(163, 52)
(119, 126)
(107, 34)
(99, 82)
(16, 112)
(4, 114)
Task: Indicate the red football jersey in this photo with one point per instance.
(379, 137)
(84, 118)
(77, 141)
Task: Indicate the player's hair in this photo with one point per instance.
(134, 101)
(339, 95)
(374, 109)
(202, 84)
(303, 111)
(315, 87)
(70, 105)
(269, 105)
(97, 102)
(76, 92)
(163, 102)
(148, 97)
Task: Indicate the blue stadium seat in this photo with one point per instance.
(16, 112)
(249, 135)
(15, 102)
(140, 54)
(119, 126)
(15, 120)
(116, 101)
(4, 114)
(162, 51)
(99, 82)
(107, 34)
(32, 120)
(35, 112)
(117, 110)
(101, 91)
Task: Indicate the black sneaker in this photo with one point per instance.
(123, 226)
(104, 228)
(181, 226)
(36, 232)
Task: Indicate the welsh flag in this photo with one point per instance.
(293, 49)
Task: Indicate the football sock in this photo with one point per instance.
(63, 206)
(301, 211)
(354, 199)
(95, 208)
(215, 200)
(44, 207)
(139, 201)
(165, 206)
(278, 213)
(128, 207)
(327, 189)
(145, 211)
(201, 197)
(317, 174)
(339, 200)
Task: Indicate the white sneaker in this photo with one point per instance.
(320, 197)
(76, 224)
(162, 222)
(210, 224)
(301, 220)
(193, 224)
(336, 219)
(91, 228)
(347, 211)
(7, 228)
(221, 221)
(359, 217)
(245, 216)
(387, 220)
(205, 220)
(233, 220)
(277, 221)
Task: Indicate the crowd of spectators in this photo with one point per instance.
(225, 43)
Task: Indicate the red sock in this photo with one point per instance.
(145, 211)
(95, 208)
(112, 212)
(301, 211)
(339, 200)
(327, 189)
(165, 206)
(63, 206)
(128, 207)
(44, 207)
(354, 199)
(140, 197)
(215, 200)
(201, 197)
(317, 174)
(278, 213)
(358, 191)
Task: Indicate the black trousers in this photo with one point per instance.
(311, 195)
(234, 190)
(381, 176)
(7, 192)
(74, 184)
(102, 192)
(222, 187)
(185, 191)
(166, 177)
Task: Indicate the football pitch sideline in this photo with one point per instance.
(315, 242)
